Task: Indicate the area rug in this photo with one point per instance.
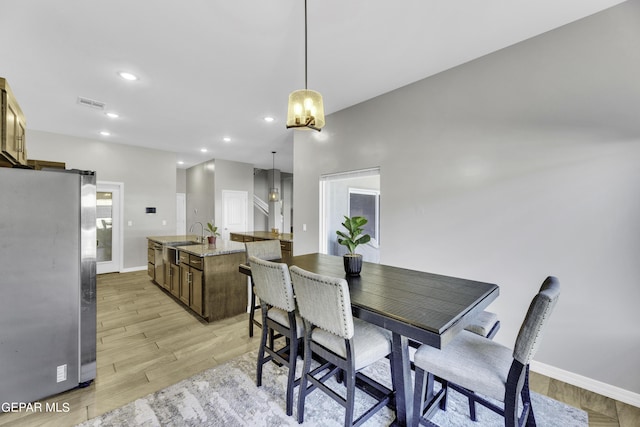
(227, 396)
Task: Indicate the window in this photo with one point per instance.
(347, 194)
(366, 203)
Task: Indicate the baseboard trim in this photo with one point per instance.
(132, 269)
(595, 386)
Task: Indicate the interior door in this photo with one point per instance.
(108, 227)
(235, 212)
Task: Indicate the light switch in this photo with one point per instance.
(304, 227)
(130, 223)
(164, 222)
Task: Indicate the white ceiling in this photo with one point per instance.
(210, 68)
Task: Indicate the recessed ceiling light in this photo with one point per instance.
(127, 76)
(112, 115)
(180, 162)
(204, 150)
(269, 119)
(226, 139)
(105, 133)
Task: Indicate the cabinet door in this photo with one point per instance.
(174, 284)
(182, 281)
(13, 143)
(167, 276)
(196, 291)
(185, 283)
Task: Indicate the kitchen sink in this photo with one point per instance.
(184, 243)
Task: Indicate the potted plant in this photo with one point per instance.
(213, 231)
(352, 239)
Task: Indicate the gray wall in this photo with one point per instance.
(200, 201)
(518, 165)
(181, 180)
(149, 178)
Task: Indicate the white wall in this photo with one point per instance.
(507, 169)
(149, 178)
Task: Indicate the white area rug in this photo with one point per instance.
(227, 396)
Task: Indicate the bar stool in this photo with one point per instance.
(268, 250)
(345, 343)
(273, 287)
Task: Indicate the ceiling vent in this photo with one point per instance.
(91, 103)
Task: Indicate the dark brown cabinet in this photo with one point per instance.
(286, 240)
(191, 282)
(12, 128)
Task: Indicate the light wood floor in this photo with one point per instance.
(146, 341)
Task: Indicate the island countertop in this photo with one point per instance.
(222, 247)
(267, 235)
(172, 239)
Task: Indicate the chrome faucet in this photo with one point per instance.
(201, 229)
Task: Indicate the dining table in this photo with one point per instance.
(414, 305)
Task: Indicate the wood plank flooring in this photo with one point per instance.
(146, 341)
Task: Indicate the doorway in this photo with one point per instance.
(109, 227)
(353, 193)
(235, 212)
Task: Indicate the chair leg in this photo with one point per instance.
(263, 343)
(472, 409)
(526, 400)
(293, 357)
(252, 311)
(306, 367)
(418, 396)
(350, 382)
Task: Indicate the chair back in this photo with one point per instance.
(272, 283)
(535, 321)
(264, 249)
(323, 301)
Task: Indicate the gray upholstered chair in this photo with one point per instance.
(273, 286)
(483, 368)
(485, 324)
(345, 343)
(264, 249)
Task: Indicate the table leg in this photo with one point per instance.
(401, 376)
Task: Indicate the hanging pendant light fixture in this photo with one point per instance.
(274, 193)
(305, 106)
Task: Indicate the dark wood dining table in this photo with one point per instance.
(413, 305)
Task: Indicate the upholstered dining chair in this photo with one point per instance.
(269, 250)
(345, 343)
(485, 369)
(273, 286)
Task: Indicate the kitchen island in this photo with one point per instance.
(202, 277)
(286, 240)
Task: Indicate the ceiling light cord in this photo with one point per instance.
(305, 44)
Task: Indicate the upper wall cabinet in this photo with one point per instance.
(12, 128)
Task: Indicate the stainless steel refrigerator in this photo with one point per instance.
(47, 282)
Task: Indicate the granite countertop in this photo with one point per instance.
(173, 239)
(221, 247)
(285, 237)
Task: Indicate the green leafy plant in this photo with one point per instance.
(212, 229)
(355, 235)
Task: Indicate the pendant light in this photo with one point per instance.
(274, 193)
(305, 106)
